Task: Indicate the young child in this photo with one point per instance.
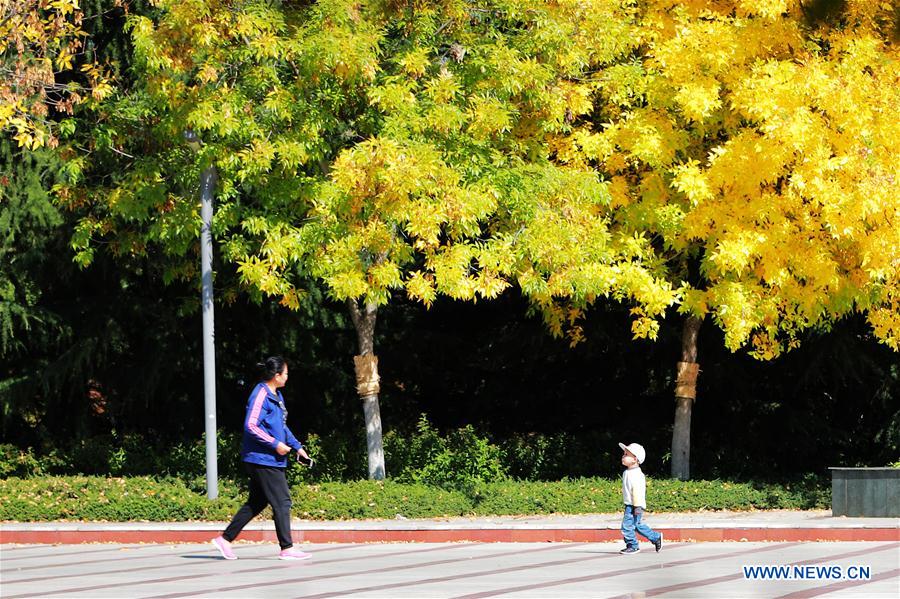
(634, 494)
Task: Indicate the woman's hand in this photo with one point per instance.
(283, 449)
(304, 458)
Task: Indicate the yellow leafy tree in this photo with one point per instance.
(758, 143)
(452, 191)
(44, 40)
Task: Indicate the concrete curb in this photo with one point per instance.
(496, 535)
(775, 525)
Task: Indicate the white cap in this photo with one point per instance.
(636, 449)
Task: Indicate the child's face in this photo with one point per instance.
(628, 459)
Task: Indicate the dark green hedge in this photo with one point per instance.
(171, 499)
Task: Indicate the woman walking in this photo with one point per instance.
(267, 441)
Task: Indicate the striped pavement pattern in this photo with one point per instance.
(458, 570)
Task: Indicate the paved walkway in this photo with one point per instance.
(776, 525)
(460, 570)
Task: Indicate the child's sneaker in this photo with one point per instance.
(658, 543)
(630, 550)
(294, 554)
(224, 548)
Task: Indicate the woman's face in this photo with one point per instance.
(280, 379)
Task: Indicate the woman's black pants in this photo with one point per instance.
(268, 486)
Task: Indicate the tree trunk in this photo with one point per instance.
(366, 367)
(685, 394)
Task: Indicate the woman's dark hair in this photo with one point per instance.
(270, 367)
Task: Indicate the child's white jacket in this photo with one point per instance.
(634, 487)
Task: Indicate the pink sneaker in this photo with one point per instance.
(224, 548)
(295, 554)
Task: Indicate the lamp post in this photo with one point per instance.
(207, 188)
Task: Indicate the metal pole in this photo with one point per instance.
(207, 189)
(207, 186)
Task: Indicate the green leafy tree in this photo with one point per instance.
(28, 222)
(380, 148)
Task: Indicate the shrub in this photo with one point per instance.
(18, 462)
(538, 456)
(458, 460)
(113, 454)
(337, 458)
(188, 459)
(143, 498)
(672, 495)
(421, 466)
(582, 496)
(376, 499)
(115, 499)
(25, 462)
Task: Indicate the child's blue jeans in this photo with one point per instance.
(632, 522)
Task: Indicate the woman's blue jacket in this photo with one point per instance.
(264, 428)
